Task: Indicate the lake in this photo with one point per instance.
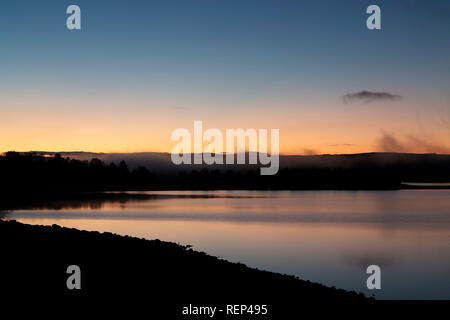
(328, 237)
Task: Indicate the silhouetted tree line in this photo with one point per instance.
(22, 173)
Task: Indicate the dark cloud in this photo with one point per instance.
(370, 96)
(410, 143)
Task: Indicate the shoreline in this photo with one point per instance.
(126, 268)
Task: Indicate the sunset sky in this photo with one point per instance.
(140, 69)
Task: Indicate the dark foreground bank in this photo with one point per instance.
(163, 277)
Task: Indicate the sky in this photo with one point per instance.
(138, 70)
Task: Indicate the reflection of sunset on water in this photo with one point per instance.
(318, 235)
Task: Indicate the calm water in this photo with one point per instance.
(322, 236)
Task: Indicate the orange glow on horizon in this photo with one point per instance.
(307, 126)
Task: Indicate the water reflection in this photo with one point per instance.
(389, 208)
(327, 237)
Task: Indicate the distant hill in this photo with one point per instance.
(409, 167)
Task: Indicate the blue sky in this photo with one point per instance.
(220, 55)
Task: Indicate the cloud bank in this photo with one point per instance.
(410, 143)
(370, 96)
